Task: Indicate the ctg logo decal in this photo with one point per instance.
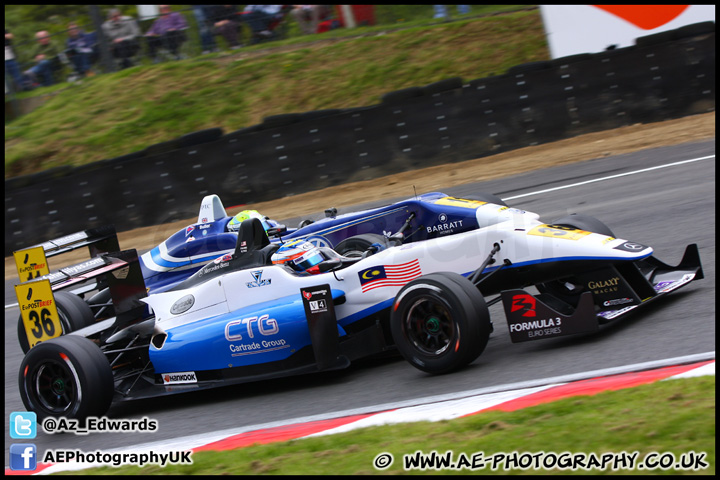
(525, 303)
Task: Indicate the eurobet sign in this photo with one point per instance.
(573, 29)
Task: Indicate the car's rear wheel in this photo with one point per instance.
(359, 244)
(74, 314)
(68, 376)
(440, 322)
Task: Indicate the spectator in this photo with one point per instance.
(259, 18)
(202, 13)
(225, 20)
(122, 33)
(11, 65)
(441, 10)
(309, 16)
(45, 54)
(167, 31)
(79, 49)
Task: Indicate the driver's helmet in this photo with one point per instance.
(299, 255)
(234, 224)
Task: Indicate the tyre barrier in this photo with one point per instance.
(162, 147)
(398, 96)
(199, 137)
(443, 86)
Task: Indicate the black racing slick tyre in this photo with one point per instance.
(68, 377)
(568, 290)
(359, 244)
(305, 223)
(74, 314)
(584, 222)
(440, 322)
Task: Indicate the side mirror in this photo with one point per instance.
(329, 265)
(275, 231)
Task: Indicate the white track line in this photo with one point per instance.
(634, 172)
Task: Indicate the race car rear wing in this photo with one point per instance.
(119, 271)
(99, 240)
(32, 262)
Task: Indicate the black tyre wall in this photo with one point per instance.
(470, 322)
(82, 362)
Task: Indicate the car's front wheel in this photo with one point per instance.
(440, 322)
(569, 289)
(487, 197)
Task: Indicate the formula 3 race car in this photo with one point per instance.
(255, 314)
(214, 234)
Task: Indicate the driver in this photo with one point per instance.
(302, 256)
(234, 224)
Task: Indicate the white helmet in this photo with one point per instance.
(299, 255)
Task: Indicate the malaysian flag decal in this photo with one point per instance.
(389, 275)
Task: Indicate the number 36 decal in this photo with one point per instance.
(39, 311)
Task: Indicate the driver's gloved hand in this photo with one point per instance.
(374, 248)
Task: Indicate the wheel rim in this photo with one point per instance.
(429, 326)
(55, 387)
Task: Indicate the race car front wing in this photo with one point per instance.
(607, 295)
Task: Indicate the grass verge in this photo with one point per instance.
(114, 114)
(663, 421)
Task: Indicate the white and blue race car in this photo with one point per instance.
(215, 234)
(269, 310)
